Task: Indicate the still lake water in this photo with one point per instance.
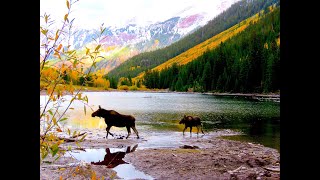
(258, 120)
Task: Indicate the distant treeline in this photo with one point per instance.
(248, 62)
(233, 15)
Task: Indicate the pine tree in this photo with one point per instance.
(207, 77)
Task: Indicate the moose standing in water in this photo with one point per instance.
(113, 118)
(190, 121)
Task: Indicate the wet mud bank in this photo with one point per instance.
(215, 158)
(164, 155)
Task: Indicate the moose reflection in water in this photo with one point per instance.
(190, 121)
(112, 160)
(113, 118)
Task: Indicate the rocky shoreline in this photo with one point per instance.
(204, 157)
(255, 96)
(258, 97)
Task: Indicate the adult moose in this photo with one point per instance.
(190, 121)
(113, 118)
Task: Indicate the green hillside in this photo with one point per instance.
(248, 62)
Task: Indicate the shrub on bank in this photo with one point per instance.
(123, 87)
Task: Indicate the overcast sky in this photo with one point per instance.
(92, 13)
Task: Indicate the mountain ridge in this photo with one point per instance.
(147, 60)
(120, 43)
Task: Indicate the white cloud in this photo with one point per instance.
(91, 13)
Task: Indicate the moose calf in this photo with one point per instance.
(190, 121)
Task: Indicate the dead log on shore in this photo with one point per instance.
(77, 135)
(71, 139)
(274, 169)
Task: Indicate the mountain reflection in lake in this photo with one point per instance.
(259, 120)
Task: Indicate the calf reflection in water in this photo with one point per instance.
(112, 160)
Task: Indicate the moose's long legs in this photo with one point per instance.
(135, 131)
(108, 129)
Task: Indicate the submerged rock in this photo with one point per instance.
(189, 147)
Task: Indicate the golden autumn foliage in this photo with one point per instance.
(272, 8)
(110, 48)
(134, 67)
(73, 74)
(58, 78)
(122, 79)
(133, 88)
(101, 82)
(49, 74)
(278, 41)
(123, 87)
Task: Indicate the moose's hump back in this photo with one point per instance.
(196, 118)
(113, 112)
